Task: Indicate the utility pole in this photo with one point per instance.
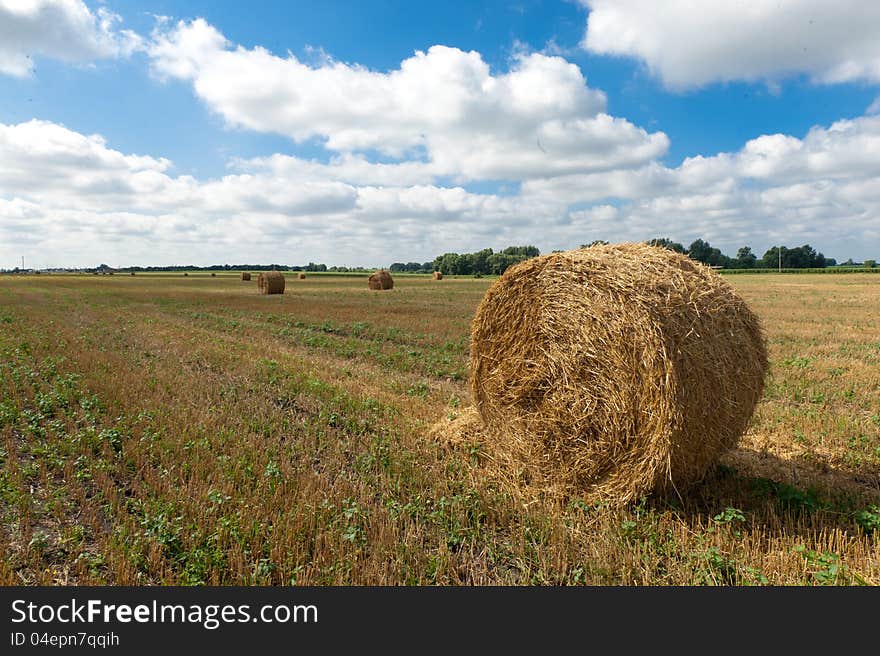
(22, 262)
(779, 251)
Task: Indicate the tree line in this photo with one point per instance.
(483, 262)
(799, 257)
(311, 266)
(489, 262)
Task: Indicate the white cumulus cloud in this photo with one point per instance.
(75, 201)
(66, 30)
(443, 106)
(689, 44)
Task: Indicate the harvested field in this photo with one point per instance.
(157, 430)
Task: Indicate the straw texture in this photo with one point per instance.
(614, 371)
(270, 282)
(380, 280)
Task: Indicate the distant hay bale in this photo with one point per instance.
(380, 280)
(131, 273)
(245, 275)
(438, 275)
(213, 274)
(270, 282)
(613, 371)
(185, 274)
(302, 276)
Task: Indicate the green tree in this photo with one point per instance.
(448, 264)
(745, 259)
(480, 261)
(703, 252)
(465, 264)
(522, 251)
(800, 257)
(668, 243)
(771, 257)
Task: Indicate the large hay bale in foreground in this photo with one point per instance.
(614, 371)
(438, 275)
(271, 282)
(380, 280)
(245, 275)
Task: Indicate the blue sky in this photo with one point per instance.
(230, 132)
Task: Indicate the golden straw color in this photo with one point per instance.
(270, 282)
(438, 275)
(380, 280)
(245, 275)
(611, 372)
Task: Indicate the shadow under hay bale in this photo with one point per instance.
(245, 275)
(438, 275)
(380, 280)
(271, 282)
(611, 372)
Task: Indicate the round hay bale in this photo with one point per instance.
(302, 276)
(438, 275)
(213, 275)
(245, 275)
(270, 282)
(380, 280)
(185, 274)
(131, 273)
(615, 371)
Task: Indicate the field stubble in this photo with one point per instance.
(162, 430)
